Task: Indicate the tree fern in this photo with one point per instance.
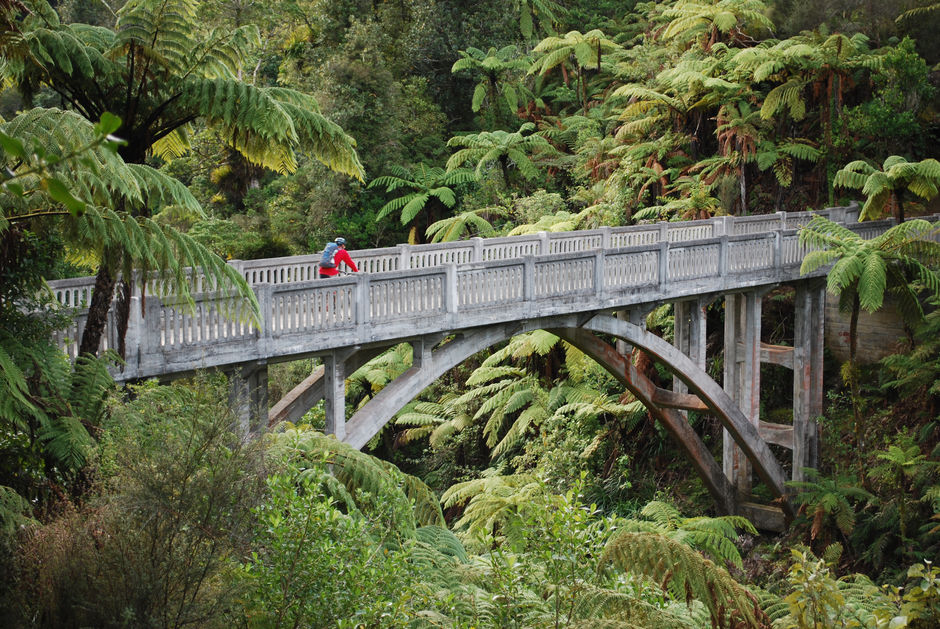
(426, 183)
(685, 574)
(464, 225)
(368, 481)
(888, 184)
(14, 513)
(434, 420)
(713, 536)
(493, 501)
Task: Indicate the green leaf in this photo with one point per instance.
(12, 146)
(60, 193)
(108, 124)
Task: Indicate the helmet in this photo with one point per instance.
(340, 241)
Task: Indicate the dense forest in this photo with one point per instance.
(525, 488)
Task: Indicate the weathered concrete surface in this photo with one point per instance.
(880, 333)
(296, 402)
(366, 422)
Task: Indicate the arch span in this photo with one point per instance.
(368, 420)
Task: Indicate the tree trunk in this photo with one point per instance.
(853, 383)
(899, 206)
(98, 309)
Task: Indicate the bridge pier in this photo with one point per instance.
(808, 374)
(295, 404)
(690, 334)
(741, 378)
(248, 395)
(334, 388)
(744, 354)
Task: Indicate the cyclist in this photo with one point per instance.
(334, 253)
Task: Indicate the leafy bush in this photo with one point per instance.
(151, 550)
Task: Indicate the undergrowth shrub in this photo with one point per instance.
(152, 548)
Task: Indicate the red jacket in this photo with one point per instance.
(341, 256)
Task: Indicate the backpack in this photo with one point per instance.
(326, 260)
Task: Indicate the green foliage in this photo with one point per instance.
(826, 502)
(196, 78)
(500, 149)
(896, 176)
(428, 185)
(892, 121)
(496, 69)
(684, 573)
(318, 566)
(918, 373)
(366, 484)
(867, 268)
(817, 600)
(153, 547)
(714, 537)
(463, 225)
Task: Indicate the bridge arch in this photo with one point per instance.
(368, 420)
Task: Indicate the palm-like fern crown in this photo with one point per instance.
(687, 575)
(159, 73)
(414, 504)
(493, 501)
(692, 19)
(869, 267)
(425, 182)
(896, 175)
(587, 49)
(487, 147)
(713, 536)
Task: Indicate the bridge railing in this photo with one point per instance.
(475, 286)
(304, 317)
(76, 292)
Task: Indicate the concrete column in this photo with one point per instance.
(623, 348)
(334, 379)
(421, 353)
(810, 304)
(637, 316)
(741, 377)
(690, 333)
(248, 396)
(698, 331)
(682, 322)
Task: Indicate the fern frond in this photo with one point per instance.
(686, 574)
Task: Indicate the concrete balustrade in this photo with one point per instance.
(172, 336)
(77, 292)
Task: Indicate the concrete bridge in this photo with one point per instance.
(453, 300)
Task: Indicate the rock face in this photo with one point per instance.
(879, 334)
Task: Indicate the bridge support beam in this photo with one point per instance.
(673, 421)
(689, 334)
(741, 378)
(248, 395)
(810, 306)
(369, 419)
(334, 389)
(295, 404)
